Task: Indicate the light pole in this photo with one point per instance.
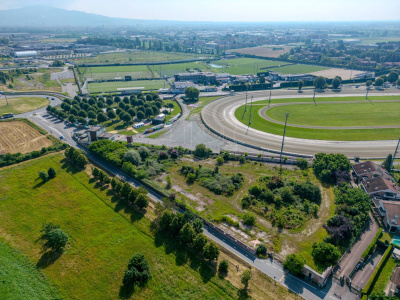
(270, 93)
(251, 109)
(314, 97)
(283, 141)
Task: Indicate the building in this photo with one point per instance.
(319, 279)
(368, 170)
(381, 188)
(159, 119)
(390, 212)
(179, 87)
(106, 136)
(94, 132)
(19, 54)
(138, 125)
(197, 77)
(395, 279)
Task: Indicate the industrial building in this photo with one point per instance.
(197, 77)
(19, 54)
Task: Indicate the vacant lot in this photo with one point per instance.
(20, 105)
(18, 136)
(135, 57)
(106, 73)
(333, 72)
(104, 87)
(298, 69)
(103, 235)
(20, 279)
(263, 51)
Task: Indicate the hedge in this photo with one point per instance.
(372, 281)
(372, 244)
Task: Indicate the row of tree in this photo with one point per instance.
(77, 157)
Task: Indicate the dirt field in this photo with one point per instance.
(332, 73)
(263, 51)
(20, 137)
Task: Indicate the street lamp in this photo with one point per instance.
(283, 141)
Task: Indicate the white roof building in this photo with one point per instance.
(25, 53)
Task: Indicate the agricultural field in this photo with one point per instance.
(348, 118)
(239, 66)
(103, 235)
(20, 277)
(118, 86)
(20, 105)
(135, 57)
(264, 51)
(298, 69)
(18, 136)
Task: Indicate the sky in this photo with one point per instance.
(229, 10)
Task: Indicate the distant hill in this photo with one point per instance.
(45, 16)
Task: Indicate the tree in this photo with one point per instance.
(142, 201)
(202, 151)
(111, 114)
(43, 175)
(132, 156)
(126, 117)
(199, 242)
(393, 76)
(245, 278)
(165, 220)
(294, 263)
(187, 234)
(387, 164)
(95, 172)
(340, 228)
(148, 112)
(368, 83)
(197, 226)
(51, 173)
(302, 163)
(319, 82)
(211, 251)
(101, 117)
(144, 152)
(325, 166)
(262, 79)
(169, 181)
(301, 84)
(56, 240)
(192, 93)
(223, 267)
(379, 81)
(336, 82)
(220, 160)
(325, 254)
(261, 250)
(137, 272)
(140, 115)
(249, 219)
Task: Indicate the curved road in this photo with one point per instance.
(219, 117)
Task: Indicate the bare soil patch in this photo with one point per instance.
(263, 51)
(20, 137)
(332, 73)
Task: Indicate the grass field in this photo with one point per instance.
(297, 69)
(240, 66)
(103, 235)
(320, 134)
(136, 57)
(202, 101)
(20, 105)
(114, 86)
(263, 51)
(106, 73)
(385, 275)
(18, 136)
(349, 114)
(20, 279)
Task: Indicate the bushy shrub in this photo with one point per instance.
(133, 157)
(223, 267)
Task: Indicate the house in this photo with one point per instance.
(395, 279)
(381, 188)
(319, 279)
(368, 170)
(390, 212)
(94, 132)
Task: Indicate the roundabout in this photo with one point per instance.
(342, 122)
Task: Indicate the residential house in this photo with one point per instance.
(390, 212)
(381, 188)
(368, 170)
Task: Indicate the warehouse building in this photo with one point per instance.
(25, 54)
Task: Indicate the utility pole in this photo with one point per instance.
(314, 97)
(5, 96)
(394, 155)
(251, 109)
(283, 142)
(270, 93)
(245, 105)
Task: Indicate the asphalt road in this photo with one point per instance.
(270, 268)
(219, 115)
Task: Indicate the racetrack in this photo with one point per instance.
(219, 116)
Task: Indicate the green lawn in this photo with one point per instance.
(349, 114)
(135, 57)
(105, 73)
(320, 134)
(176, 110)
(21, 105)
(20, 279)
(297, 69)
(240, 66)
(202, 101)
(103, 235)
(385, 275)
(105, 87)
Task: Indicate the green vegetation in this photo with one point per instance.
(240, 66)
(20, 105)
(294, 263)
(103, 236)
(325, 254)
(104, 87)
(106, 73)
(202, 102)
(261, 124)
(20, 279)
(347, 114)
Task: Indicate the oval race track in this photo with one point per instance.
(219, 117)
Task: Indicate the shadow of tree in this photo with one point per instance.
(68, 167)
(126, 292)
(39, 184)
(48, 258)
(243, 294)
